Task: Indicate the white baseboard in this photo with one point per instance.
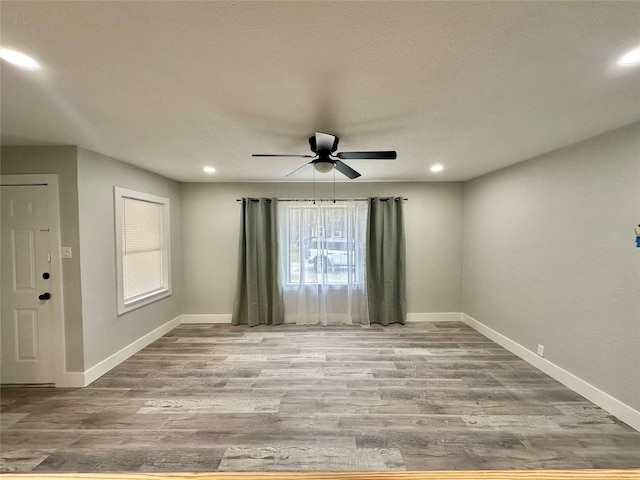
(434, 317)
(615, 407)
(120, 356)
(207, 318)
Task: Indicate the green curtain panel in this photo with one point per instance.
(386, 263)
(259, 291)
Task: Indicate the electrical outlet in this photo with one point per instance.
(541, 350)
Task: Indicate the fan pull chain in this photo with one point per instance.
(334, 185)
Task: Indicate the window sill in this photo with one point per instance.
(143, 300)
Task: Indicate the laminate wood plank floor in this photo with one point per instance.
(219, 398)
(600, 474)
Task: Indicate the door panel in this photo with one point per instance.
(23, 256)
(26, 328)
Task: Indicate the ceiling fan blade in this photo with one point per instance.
(346, 170)
(298, 170)
(384, 155)
(281, 155)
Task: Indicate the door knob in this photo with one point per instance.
(45, 296)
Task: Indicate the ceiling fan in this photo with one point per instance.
(323, 145)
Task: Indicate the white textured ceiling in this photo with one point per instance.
(174, 86)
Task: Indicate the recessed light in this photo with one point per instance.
(437, 168)
(631, 58)
(19, 59)
(209, 170)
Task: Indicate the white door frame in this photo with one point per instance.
(57, 299)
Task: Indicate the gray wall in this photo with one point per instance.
(211, 221)
(61, 161)
(104, 331)
(550, 258)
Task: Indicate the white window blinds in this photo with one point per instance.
(142, 247)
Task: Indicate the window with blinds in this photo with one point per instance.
(142, 244)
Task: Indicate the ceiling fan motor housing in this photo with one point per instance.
(328, 147)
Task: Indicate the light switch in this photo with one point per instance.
(65, 252)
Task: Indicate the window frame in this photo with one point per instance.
(125, 305)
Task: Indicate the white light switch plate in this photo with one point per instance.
(65, 252)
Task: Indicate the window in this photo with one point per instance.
(142, 248)
(322, 256)
(322, 244)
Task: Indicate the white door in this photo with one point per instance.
(26, 313)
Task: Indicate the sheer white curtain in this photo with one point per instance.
(322, 255)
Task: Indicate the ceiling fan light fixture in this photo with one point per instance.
(19, 59)
(323, 166)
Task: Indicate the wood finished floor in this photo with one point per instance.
(207, 398)
(601, 474)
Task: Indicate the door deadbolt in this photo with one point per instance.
(46, 275)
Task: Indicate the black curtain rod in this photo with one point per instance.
(384, 199)
(24, 185)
